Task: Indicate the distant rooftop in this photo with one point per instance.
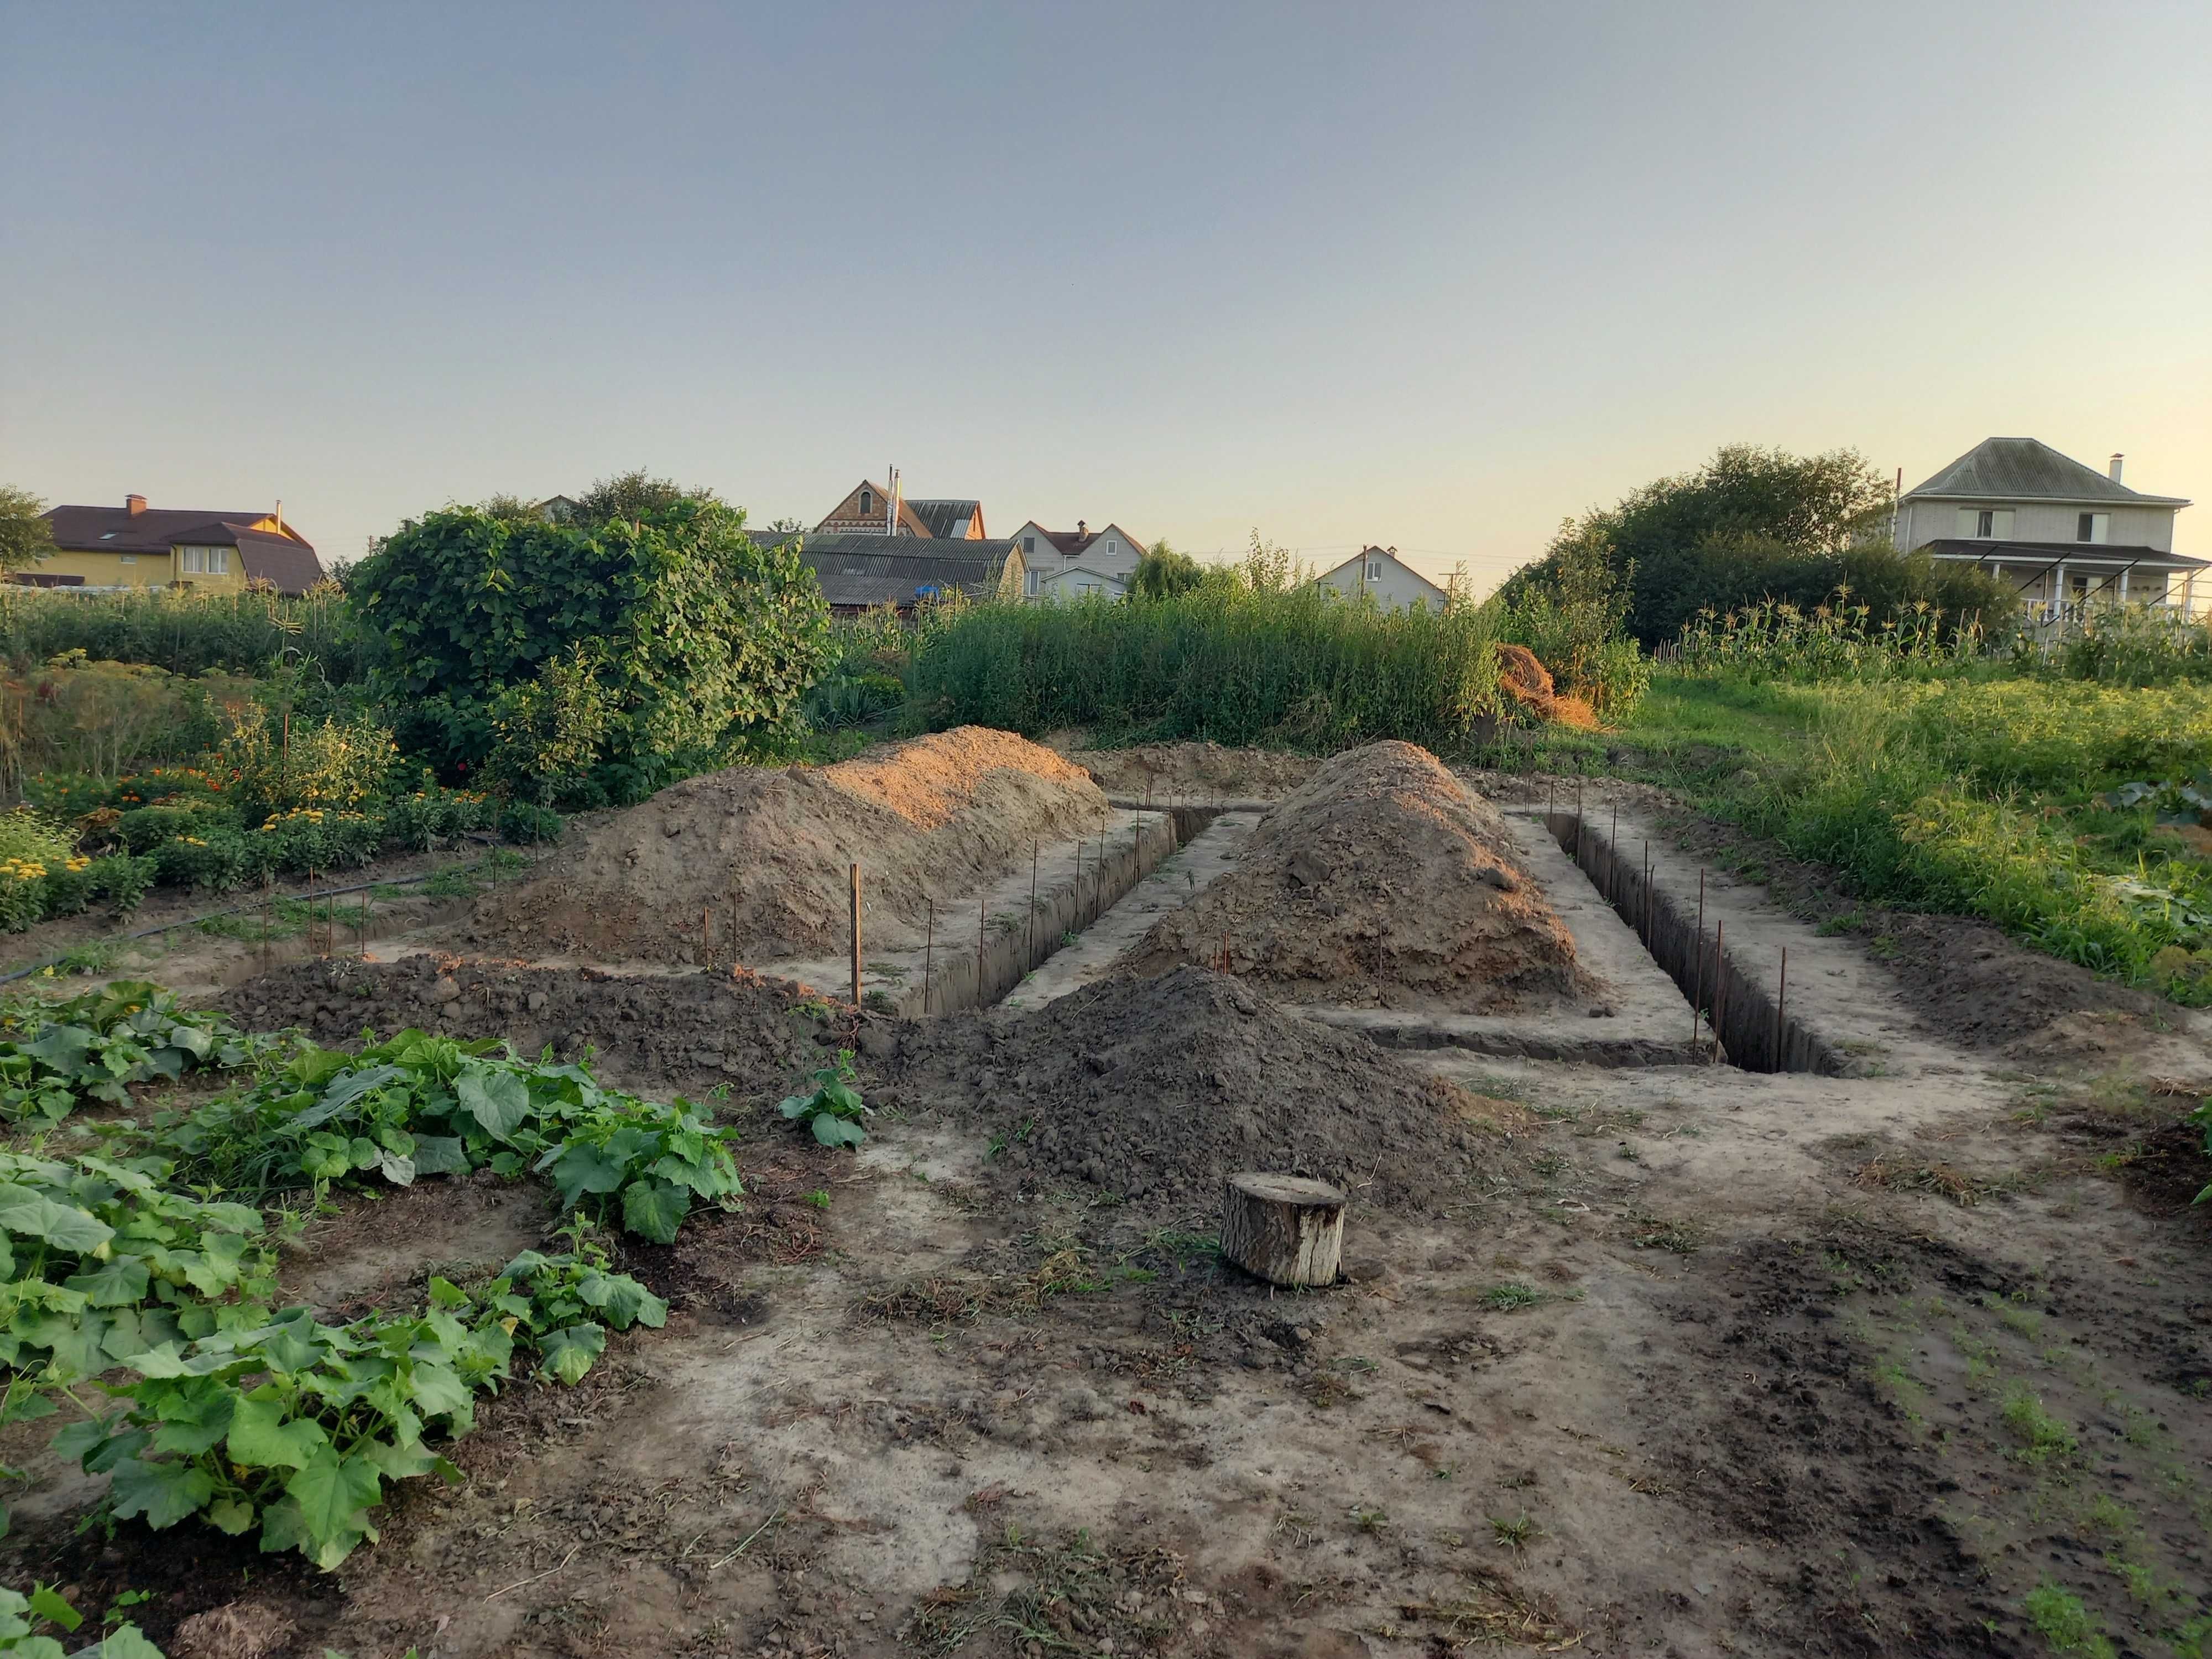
(2023, 469)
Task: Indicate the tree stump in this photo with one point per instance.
(1286, 1230)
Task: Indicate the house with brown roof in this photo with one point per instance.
(1071, 564)
(870, 509)
(110, 549)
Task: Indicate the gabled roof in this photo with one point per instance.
(909, 522)
(288, 565)
(1069, 543)
(153, 529)
(2024, 469)
(1390, 553)
(943, 517)
(861, 569)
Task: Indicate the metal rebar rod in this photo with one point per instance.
(1720, 986)
(1031, 964)
(928, 945)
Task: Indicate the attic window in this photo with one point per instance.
(867, 500)
(108, 535)
(1029, 546)
(1374, 570)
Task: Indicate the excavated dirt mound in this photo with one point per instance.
(1155, 1090)
(653, 1034)
(1382, 881)
(1200, 772)
(937, 817)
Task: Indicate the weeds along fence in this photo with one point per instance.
(187, 634)
(1304, 667)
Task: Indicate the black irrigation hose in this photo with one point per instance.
(239, 909)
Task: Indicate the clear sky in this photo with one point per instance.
(1430, 275)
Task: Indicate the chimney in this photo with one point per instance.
(1081, 528)
(2113, 471)
(134, 504)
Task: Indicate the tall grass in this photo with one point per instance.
(1303, 667)
(1992, 801)
(186, 634)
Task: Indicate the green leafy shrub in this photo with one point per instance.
(657, 1158)
(528, 825)
(429, 816)
(142, 829)
(566, 1303)
(318, 838)
(834, 1110)
(55, 1056)
(104, 1260)
(336, 764)
(697, 641)
(220, 860)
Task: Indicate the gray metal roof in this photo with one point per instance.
(2024, 469)
(869, 570)
(943, 517)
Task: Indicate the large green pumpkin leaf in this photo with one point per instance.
(624, 1300)
(569, 1353)
(655, 1209)
(163, 1492)
(499, 1101)
(33, 1215)
(261, 1438)
(332, 1497)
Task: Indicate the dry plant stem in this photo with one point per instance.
(854, 875)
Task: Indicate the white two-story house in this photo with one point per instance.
(2061, 533)
(1068, 564)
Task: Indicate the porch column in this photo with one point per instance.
(2123, 584)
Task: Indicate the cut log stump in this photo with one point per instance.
(1285, 1229)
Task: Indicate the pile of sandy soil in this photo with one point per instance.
(1382, 881)
(1199, 772)
(1158, 1089)
(652, 1034)
(766, 850)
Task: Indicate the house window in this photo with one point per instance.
(867, 503)
(206, 560)
(126, 558)
(1112, 547)
(1029, 547)
(1029, 584)
(2094, 527)
(1985, 523)
(1374, 570)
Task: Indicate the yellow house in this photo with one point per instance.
(189, 549)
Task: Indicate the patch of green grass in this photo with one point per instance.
(2061, 1620)
(1512, 1298)
(2042, 1436)
(1513, 1534)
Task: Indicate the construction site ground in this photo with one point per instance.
(1636, 1352)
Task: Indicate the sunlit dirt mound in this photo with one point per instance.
(1156, 1089)
(767, 850)
(1382, 881)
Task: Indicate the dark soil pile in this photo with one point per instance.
(653, 1034)
(752, 864)
(1382, 881)
(1158, 1089)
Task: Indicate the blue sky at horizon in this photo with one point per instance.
(1433, 277)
